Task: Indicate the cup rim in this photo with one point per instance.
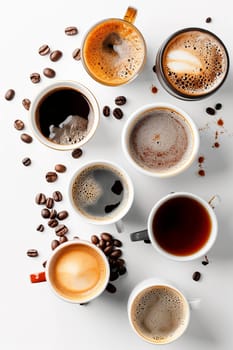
(123, 212)
(63, 246)
(137, 115)
(56, 85)
(205, 248)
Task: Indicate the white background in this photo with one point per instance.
(31, 316)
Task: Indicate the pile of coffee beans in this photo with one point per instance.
(111, 248)
(117, 112)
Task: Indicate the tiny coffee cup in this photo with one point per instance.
(114, 51)
(158, 312)
(181, 226)
(160, 140)
(64, 115)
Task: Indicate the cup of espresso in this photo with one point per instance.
(158, 312)
(114, 51)
(181, 226)
(192, 64)
(64, 115)
(160, 140)
(101, 192)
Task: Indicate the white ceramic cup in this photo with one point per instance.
(93, 117)
(128, 195)
(189, 155)
(157, 314)
(148, 233)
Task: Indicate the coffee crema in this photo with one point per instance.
(113, 52)
(161, 140)
(159, 314)
(194, 62)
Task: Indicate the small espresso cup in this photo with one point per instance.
(160, 140)
(64, 115)
(192, 64)
(101, 192)
(181, 226)
(158, 312)
(114, 51)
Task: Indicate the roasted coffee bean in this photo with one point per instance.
(32, 253)
(40, 198)
(49, 72)
(53, 214)
(75, 237)
(19, 124)
(54, 244)
(51, 176)
(218, 106)
(60, 168)
(117, 243)
(61, 230)
(120, 100)
(113, 276)
(120, 262)
(35, 78)
(62, 215)
(108, 250)
(112, 262)
(45, 213)
(49, 203)
(26, 103)
(40, 228)
(57, 196)
(26, 161)
(208, 20)
(210, 111)
(76, 54)
(106, 111)
(63, 239)
(77, 153)
(72, 30)
(205, 263)
(55, 55)
(122, 270)
(10, 94)
(147, 241)
(44, 50)
(111, 288)
(196, 276)
(102, 244)
(26, 138)
(44, 264)
(116, 254)
(106, 236)
(108, 243)
(117, 112)
(52, 223)
(95, 239)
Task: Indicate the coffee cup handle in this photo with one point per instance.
(214, 201)
(139, 235)
(130, 15)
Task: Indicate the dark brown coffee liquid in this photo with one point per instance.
(181, 226)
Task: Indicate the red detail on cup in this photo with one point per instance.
(38, 277)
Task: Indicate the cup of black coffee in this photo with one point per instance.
(64, 115)
(181, 226)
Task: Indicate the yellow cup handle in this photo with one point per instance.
(130, 15)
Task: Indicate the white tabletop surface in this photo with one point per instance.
(31, 316)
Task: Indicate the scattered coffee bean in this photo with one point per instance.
(62, 215)
(49, 72)
(154, 89)
(147, 241)
(54, 244)
(44, 50)
(63, 239)
(55, 55)
(111, 288)
(120, 100)
(83, 304)
(218, 106)
(52, 223)
(196, 276)
(61, 230)
(106, 111)
(108, 250)
(32, 253)
(45, 213)
(49, 203)
(201, 172)
(60, 168)
(57, 196)
(26, 103)
(117, 243)
(44, 264)
(102, 244)
(76, 54)
(210, 111)
(10, 94)
(208, 20)
(75, 237)
(108, 243)
(40, 228)
(154, 68)
(26, 161)
(113, 276)
(51, 176)
(19, 124)
(206, 261)
(117, 112)
(120, 262)
(77, 153)
(116, 254)
(122, 270)
(35, 78)
(95, 239)
(72, 30)
(26, 138)
(53, 214)
(40, 198)
(112, 262)
(106, 236)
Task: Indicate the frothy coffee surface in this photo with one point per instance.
(159, 314)
(160, 140)
(194, 62)
(78, 272)
(114, 52)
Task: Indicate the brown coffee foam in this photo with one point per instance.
(204, 62)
